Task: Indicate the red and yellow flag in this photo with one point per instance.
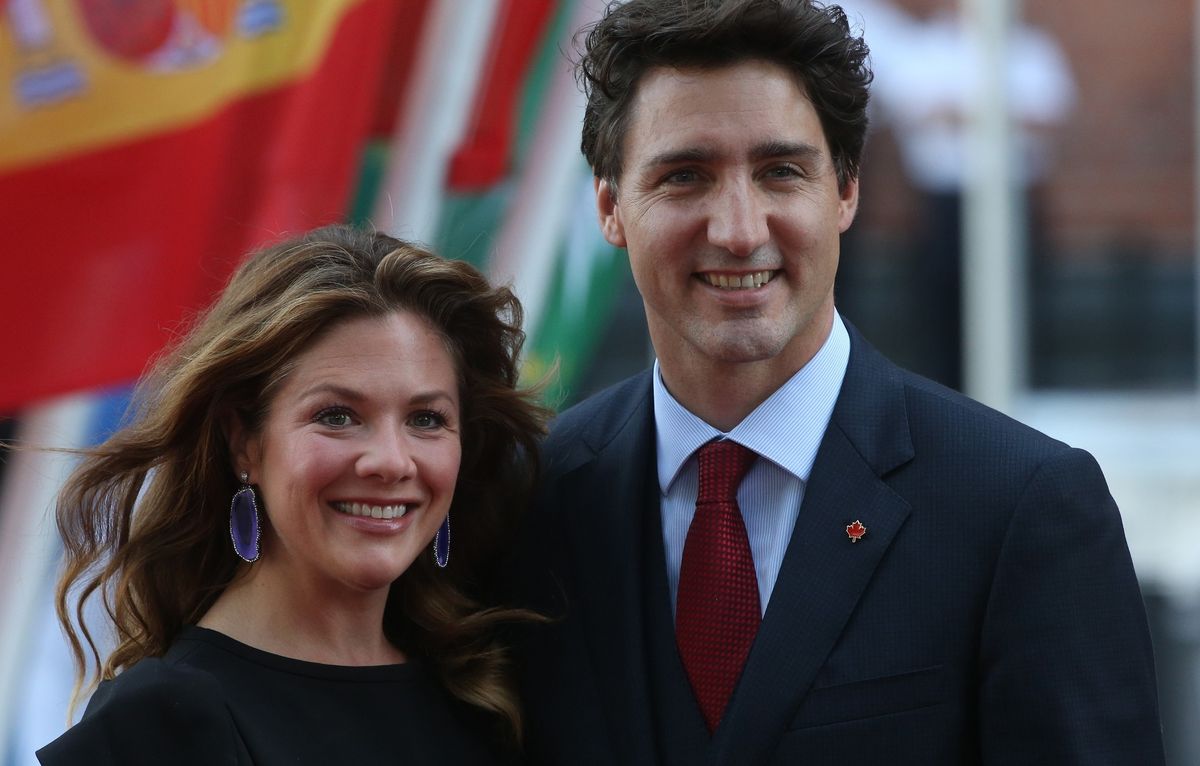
(145, 145)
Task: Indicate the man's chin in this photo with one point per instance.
(742, 347)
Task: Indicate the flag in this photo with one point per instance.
(146, 145)
(488, 169)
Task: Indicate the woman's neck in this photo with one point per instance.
(293, 616)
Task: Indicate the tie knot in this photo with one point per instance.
(723, 464)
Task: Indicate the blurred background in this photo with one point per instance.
(1027, 230)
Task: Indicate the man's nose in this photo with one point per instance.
(738, 220)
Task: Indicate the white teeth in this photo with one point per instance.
(734, 282)
(372, 511)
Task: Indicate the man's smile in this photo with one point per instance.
(744, 281)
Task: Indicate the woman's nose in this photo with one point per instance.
(387, 455)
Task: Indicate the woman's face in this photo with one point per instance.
(357, 460)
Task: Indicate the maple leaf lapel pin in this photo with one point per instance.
(855, 531)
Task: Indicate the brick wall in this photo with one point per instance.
(1127, 161)
(1124, 170)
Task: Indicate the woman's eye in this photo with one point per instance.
(335, 417)
(427, 420)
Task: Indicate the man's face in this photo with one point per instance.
(729, 206)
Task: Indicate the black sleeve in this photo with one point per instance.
(152, 713)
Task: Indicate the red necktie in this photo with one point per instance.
(717, 612)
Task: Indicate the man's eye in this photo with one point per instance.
(681, 177)
(784, 171)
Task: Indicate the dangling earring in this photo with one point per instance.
(441, 543)
(243, 522)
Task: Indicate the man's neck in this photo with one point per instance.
(723, 402)
(723, 394)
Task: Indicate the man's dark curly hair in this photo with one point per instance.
(809, 39)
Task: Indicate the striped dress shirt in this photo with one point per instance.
(785, 431)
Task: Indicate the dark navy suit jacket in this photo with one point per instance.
(989, 615)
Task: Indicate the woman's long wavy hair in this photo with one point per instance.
(145, 516)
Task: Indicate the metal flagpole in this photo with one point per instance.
(993, 258)
(433, 117)
(1196, 182)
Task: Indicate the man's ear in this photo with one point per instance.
(609, 212)
(244, 447)
(847, 204)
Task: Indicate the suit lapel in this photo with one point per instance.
(607, 538)
(823, 572)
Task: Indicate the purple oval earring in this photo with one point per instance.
(243, 522)
(441, 543)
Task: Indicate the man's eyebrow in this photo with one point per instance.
(764, 151)
(680, 156)
(777, 149)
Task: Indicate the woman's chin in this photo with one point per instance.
(376, 578)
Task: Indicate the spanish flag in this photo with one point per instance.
(147, 145)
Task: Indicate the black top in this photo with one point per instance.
(213, 700)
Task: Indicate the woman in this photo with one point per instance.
(260, 533)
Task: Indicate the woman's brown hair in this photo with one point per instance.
(145, 516)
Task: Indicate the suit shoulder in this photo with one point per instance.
(155, 707)
(939, 413)
(590, 423)
(897, 414)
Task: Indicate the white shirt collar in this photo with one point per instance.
(786, 428)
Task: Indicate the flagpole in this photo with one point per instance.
(994, 350)
(1196, 181)
(545, 198)
(433, 117)
(28, 544)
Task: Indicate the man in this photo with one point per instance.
(883, 572)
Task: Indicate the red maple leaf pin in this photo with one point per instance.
(855, 531)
